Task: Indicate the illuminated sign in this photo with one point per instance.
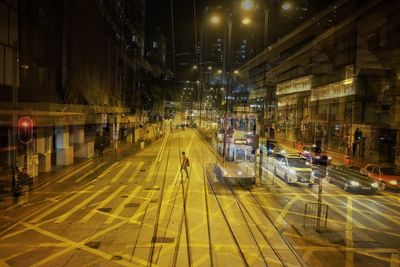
(294, 86)
(334, 90)
(287, 101)
(241, 141)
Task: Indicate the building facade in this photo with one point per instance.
(334, 83)
(75, 67)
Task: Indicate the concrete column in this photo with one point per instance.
(64, 152)
(78, 134)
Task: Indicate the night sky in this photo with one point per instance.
(158, 14)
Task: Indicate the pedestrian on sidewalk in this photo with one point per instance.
(184, 165)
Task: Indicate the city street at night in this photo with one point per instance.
(138, 209)
(200, 133)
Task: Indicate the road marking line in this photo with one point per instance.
(151, 172)
(102, 204)
(80, 205)
(54, 256)
(349, 233)
(89, 173)
(74, 172)
(142, 208)
(121, 171)
(136, 171)
(49, 211)
(386, 216)
(81, 245)
(122, 205)
(166, 199)
(282, 215)
(108, 170)
(9, 257)
(162, 148)
(394, 260)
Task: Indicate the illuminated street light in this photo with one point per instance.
(219, 71)
(247, 5)
(215, 19)
(286, 6)
(195, 67)
(209, 67)
(246, 21)
(236, 72)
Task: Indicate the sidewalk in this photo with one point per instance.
(110, 155)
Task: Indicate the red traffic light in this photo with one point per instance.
(25, 130)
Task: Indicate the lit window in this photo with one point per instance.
(155, 44)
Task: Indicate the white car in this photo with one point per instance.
(293, 169)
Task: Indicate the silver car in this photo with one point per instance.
(292, 168)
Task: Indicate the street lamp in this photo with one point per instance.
(246, 20)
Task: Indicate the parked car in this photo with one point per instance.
(292, 168)
(271, 145)
(315, 155)
(350, 179)
(386, 175)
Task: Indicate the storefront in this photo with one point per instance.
(293, 110)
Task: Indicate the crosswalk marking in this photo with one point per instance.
(80, 205)
(151, 172)
(108, 170)
(49, 211)
(89, 173)
(135, 173)
(66, 177)
(121, 171)
(141, 209)
(122, 205)
(102, 204)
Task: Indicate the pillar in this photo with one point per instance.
(64, 152)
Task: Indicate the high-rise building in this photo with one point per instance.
(74, 66)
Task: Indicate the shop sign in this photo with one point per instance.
(287, 101)
(294, 86)
(240, 141)
(333, 90)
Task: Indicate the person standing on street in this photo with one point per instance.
(184, 165)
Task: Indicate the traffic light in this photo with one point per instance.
(25, 130)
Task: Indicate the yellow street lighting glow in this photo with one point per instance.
(194, 67)
(215, 19)
(246, 21)
(236, 72)
(247, 5)
(219, 71)
(286, 6)
(209, 67)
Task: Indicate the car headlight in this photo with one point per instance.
(375, 185)
(239, 172)
(329, 158)
(393, 182)
(292, 171)
(354, 183)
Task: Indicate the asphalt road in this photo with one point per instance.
(138, 211)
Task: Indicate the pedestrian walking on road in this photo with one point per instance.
(184, 165)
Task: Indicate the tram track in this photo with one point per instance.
(153, 257)
(245, 212)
